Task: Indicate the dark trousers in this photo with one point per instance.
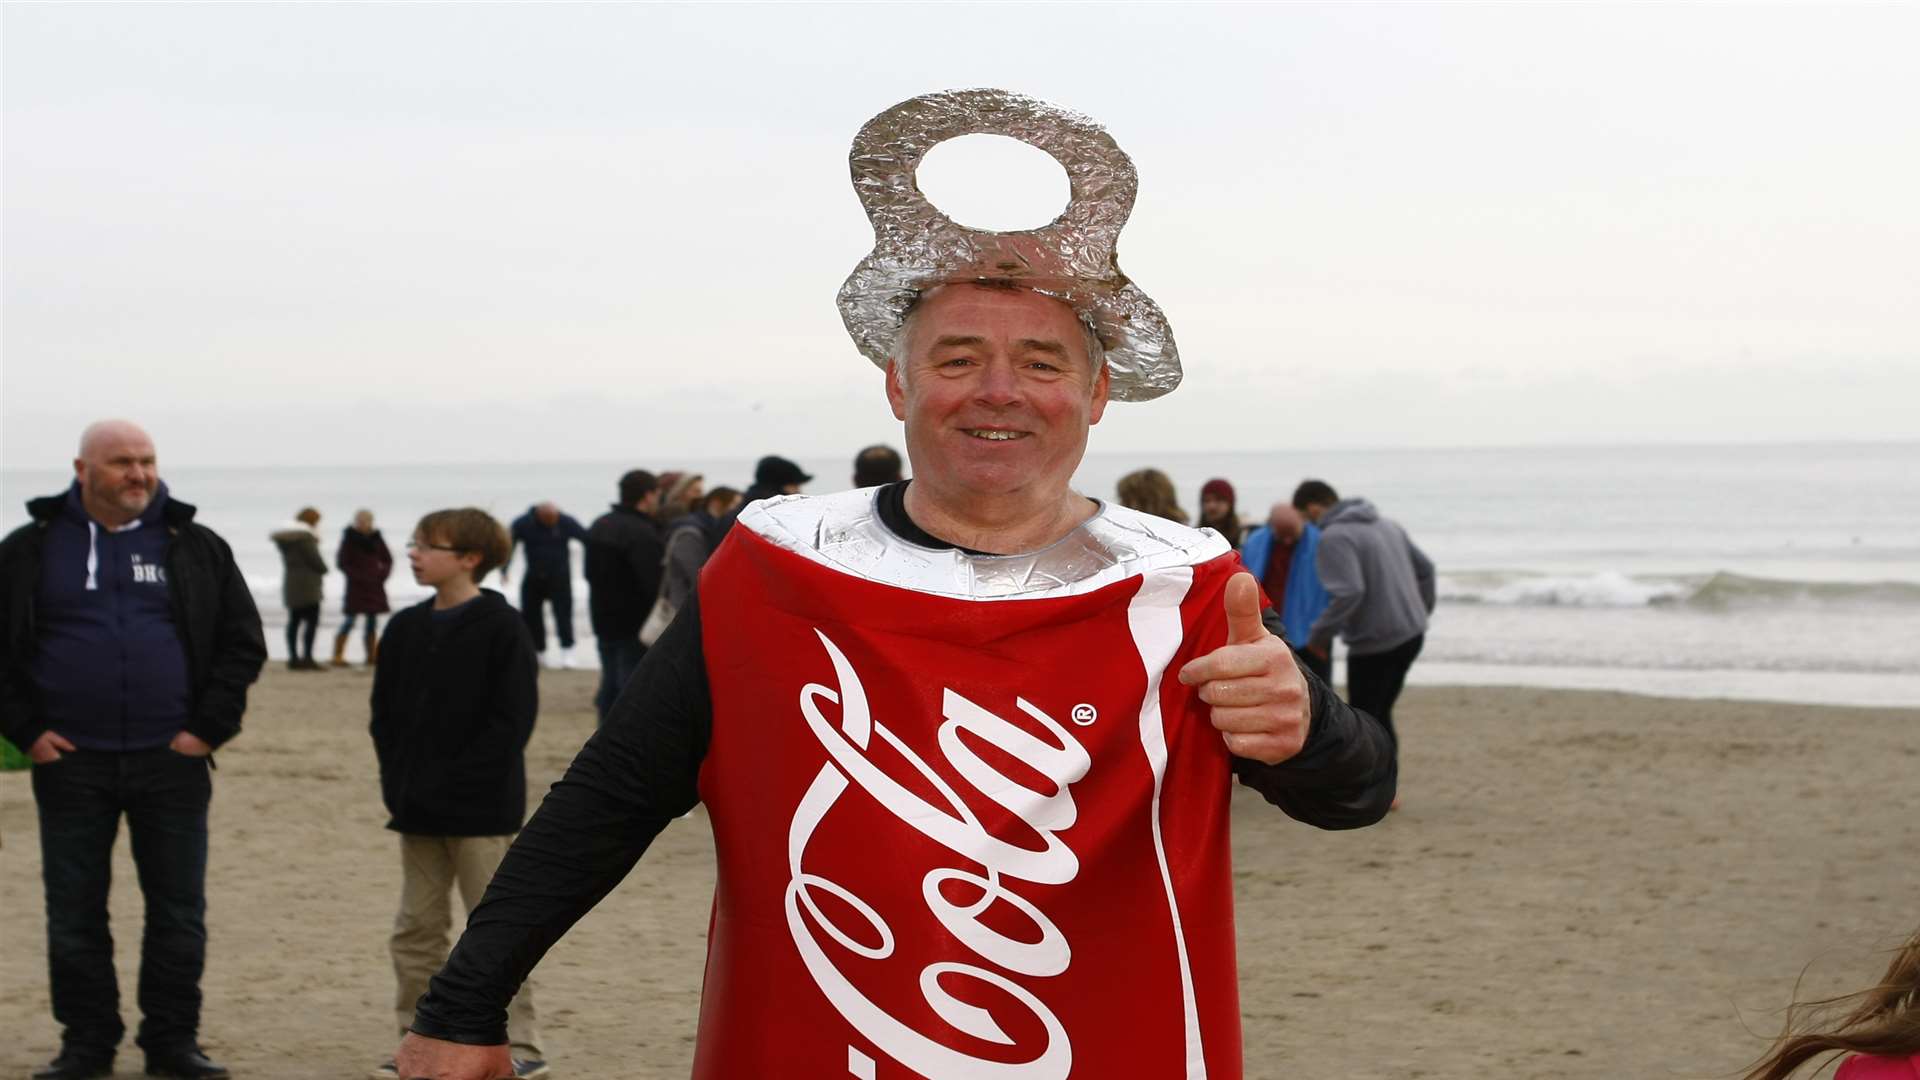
(618, 657)
(1374, 681)
(309, 618)
(555, 589)
(164, 796)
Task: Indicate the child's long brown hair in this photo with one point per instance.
(1883, 1020)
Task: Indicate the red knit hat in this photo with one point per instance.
(1217, 488)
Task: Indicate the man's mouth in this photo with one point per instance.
(996, 434)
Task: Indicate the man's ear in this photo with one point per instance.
(896, 393)
(1099, 395)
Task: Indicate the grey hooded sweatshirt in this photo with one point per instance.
(1380, 584)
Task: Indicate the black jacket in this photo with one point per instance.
(624, 554)
(212, 608)
(454, 700)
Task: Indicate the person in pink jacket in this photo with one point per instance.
(1880, 1026)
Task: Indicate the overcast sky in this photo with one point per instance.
(365, 233)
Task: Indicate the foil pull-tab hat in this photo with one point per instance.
(1073, 258)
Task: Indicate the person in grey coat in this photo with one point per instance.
(300, 587)
(1380, 588)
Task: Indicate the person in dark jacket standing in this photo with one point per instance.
(301, 586)
(364, 559)
(131, 639)
(624, 555)
(454, 700)
(543, 532)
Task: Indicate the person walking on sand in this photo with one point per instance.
(1380, 590)
(544, 533)
(130, 641)
(363, 559)
(455, 694)
(301, 585)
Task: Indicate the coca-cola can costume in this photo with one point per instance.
(969, 824)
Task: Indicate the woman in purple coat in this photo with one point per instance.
(366, 562)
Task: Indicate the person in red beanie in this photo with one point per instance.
(1217, 511)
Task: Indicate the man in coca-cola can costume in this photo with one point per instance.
(965, 740)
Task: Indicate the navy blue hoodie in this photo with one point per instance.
(110, 664)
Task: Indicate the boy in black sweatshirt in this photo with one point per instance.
(454, 698)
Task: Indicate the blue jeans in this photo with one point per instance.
(164, 796)
(618, 657)
(373, 625)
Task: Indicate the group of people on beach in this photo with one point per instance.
(1330, 569)
(966, 742)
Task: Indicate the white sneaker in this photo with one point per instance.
(566, 659)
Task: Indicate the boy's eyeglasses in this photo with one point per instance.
(417, 545)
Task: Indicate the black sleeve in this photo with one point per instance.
(517, 693)
(645, 556)
(19, 722)
(1345, 775)
(634, 776)
(239, 652)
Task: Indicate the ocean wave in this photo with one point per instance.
(1722, 591)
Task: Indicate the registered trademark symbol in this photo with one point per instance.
(1085, 715)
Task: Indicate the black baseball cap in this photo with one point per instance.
(774, 471)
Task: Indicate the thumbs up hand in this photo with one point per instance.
(1260, 702)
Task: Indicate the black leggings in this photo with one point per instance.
(296, 617)
(1374, 682)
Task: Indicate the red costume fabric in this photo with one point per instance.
(964, 837)
(1865, 1067)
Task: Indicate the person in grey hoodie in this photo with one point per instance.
(1381, 591)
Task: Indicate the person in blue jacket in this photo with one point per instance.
(1281, 554)
(543, 533)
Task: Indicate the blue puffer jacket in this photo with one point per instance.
(1306, 598)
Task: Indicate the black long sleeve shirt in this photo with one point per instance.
(641, 770)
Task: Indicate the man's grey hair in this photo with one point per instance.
(902, 338)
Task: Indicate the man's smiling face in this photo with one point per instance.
(997, 393)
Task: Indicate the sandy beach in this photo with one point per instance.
(1581, 885)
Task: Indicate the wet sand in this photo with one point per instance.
(1581, 885)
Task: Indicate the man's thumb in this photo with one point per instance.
(1242, 602)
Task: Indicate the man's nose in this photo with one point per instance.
(998, 385)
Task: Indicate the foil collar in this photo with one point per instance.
(1074, 258)
(844, 532)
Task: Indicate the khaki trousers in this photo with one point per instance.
(430, 866)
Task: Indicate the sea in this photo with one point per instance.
(1757, 572)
